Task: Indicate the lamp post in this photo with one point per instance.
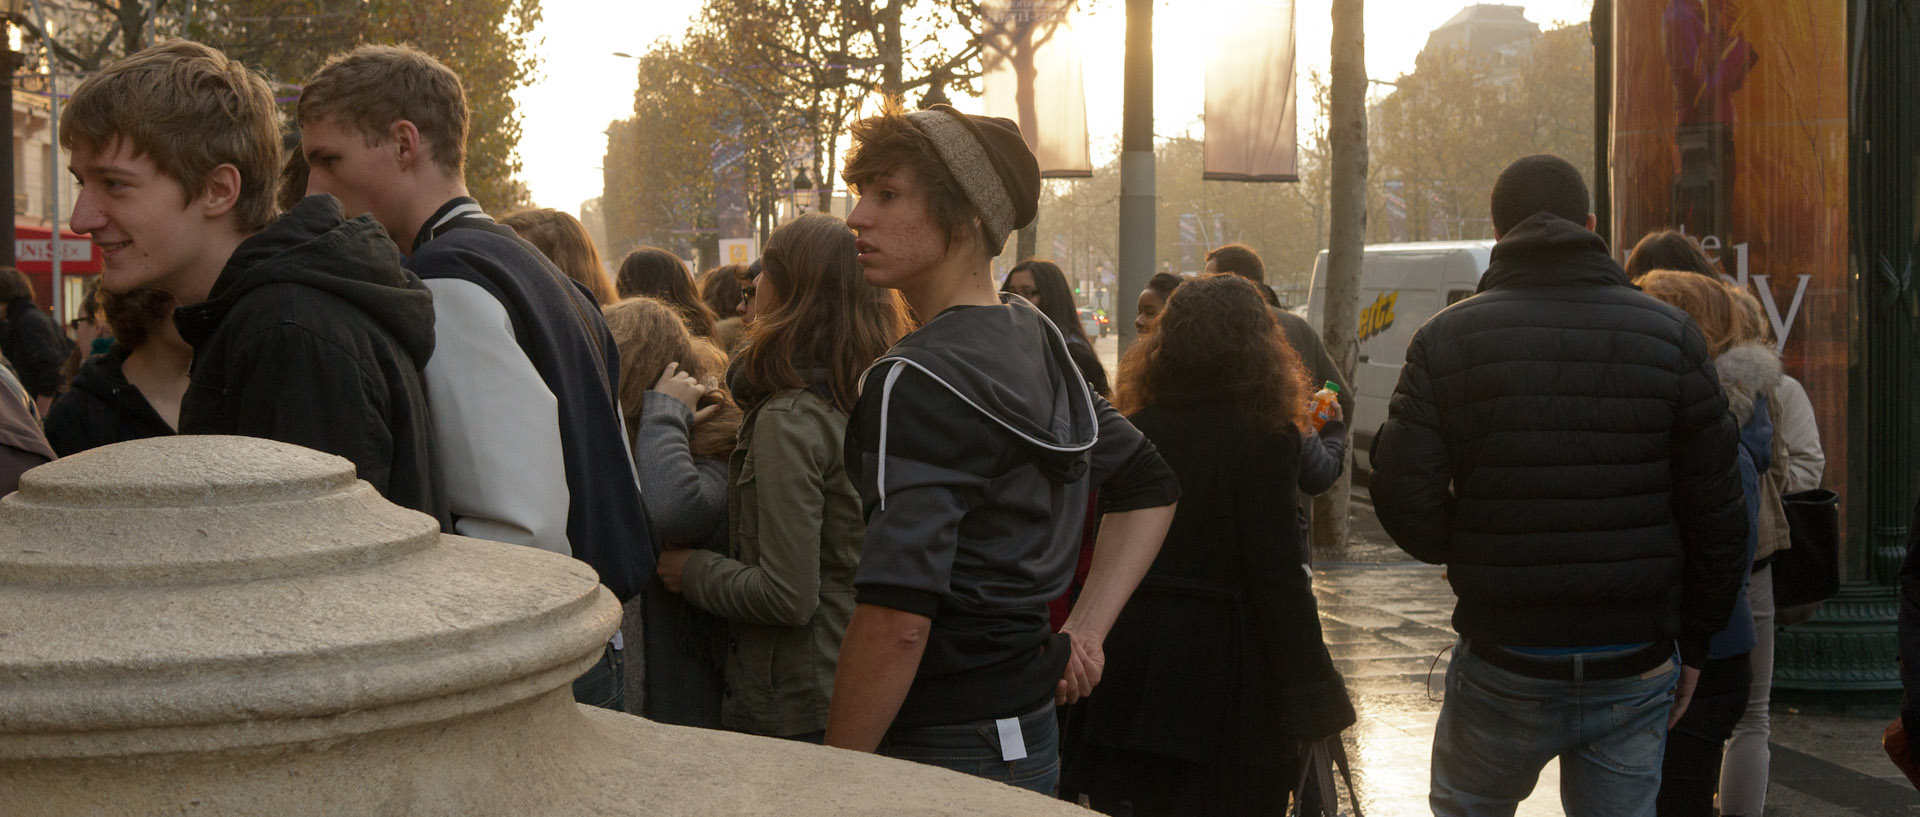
(9, 62)
(803, 193)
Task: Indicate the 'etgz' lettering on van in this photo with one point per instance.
(1378, 317)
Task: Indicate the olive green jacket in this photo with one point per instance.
(795, 531)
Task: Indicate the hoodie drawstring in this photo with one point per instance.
(886, 396)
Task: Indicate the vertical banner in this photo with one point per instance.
(1033, 77)
(1730, 123)
(1251, 100)
(732, 213)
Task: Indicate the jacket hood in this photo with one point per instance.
(1746, 371)
(1010, 364)
(1547, 250)
(313, 246)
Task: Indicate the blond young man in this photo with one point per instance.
(522, 383)
(305, 328)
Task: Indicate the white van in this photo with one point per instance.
(1401, 286)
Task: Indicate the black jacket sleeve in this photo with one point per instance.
(1127, 468)
(1089, 363)
(1412, 483)
(1708, 504)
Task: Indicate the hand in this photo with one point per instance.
(1086, 661)
(1683, 693)
(1337, 415)
(680, 386)
(673, 563)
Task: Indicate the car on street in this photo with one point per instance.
(1093, 323)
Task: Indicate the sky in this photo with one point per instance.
(583, 87)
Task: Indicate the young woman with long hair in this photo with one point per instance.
(682, 424)
(1044, 285)
(564, 241)
(656, 273)
(134, 390)
(1749, 371)
(786, 584)
(1215, 725)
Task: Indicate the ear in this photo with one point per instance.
(404, 139)
(222, 191)
(1592, 222)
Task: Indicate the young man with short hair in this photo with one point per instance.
(974, 446)
(522, 383)
(1560, 442)
(305, 328)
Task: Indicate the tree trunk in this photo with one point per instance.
(1347, 130)
(892, 54)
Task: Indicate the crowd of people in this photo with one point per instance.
(860, 493)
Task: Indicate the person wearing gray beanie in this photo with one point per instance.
(975, 445)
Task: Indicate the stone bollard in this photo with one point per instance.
(227, 625)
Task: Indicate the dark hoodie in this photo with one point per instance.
(315, 335)
(102, 408)
(974, 446)
(1560, 442)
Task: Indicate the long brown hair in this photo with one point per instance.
(1216, 341)
(564, 240)
(656, 273)
(650, 335)
(822, 312)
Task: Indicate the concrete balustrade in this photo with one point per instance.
(226, 625)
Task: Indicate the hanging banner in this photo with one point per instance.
(1251, 101)
(1032, 76)
(1730, 123)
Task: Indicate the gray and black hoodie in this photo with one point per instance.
(974, 446)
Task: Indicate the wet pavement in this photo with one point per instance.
(1385, 618)
(1386, 621)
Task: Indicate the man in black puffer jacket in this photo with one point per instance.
(1559, 441)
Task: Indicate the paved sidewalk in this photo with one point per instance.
(1386, 623)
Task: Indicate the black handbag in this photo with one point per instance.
(1809, 571)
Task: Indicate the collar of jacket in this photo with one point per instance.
(1546, 250)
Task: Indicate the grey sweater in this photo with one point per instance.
(687, 497)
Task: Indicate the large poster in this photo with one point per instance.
(1730, 122)
(1251, 99)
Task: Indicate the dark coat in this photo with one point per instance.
(102, 408)
(1560, 442)
(315, 335)
(31, 341)
(1218, 656)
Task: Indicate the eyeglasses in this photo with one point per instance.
(746, 292)
(1028, 293)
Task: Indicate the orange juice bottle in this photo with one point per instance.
(1325, 401)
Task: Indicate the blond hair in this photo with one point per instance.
(374, 86)
(189, 109)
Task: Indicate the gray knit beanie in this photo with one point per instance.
(991, 161)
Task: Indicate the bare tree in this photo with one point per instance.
(1347, 130)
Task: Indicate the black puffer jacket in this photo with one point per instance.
(315, 335)
(1561, 443)
(102, 408)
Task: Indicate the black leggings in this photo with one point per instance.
(1690, 770)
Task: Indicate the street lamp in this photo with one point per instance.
(803, 193)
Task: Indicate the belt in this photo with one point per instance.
(1575, 667)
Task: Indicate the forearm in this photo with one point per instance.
(878, 659)
(1125, 549)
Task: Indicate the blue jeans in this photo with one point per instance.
(1498, 729)
(974, 748)
(604, 684)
